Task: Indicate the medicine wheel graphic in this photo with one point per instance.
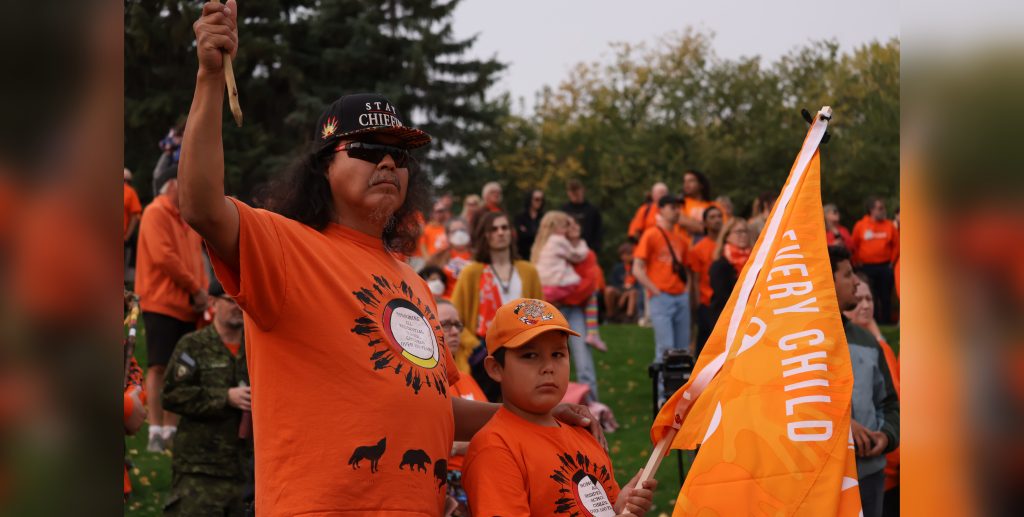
(402, 335)
(582, 487)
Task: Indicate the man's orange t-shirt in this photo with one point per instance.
(132, 206)
(468, 389)
(875, 242)
(645, 217)
(700, 261)
(654, 251)
(515, 467)
(170, 263)
(433, 238)
(349, 371)
(694, 208)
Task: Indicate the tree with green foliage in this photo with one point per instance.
(295, 58)
(652, 113)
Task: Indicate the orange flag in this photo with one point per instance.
(769, 398)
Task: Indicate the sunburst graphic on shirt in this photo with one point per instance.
(582, 489)
(403, 337)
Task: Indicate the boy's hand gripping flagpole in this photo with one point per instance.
(229, 79)
(699, 382)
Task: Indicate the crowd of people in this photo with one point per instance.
(461, 327)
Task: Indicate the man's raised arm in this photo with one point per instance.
(201, 165)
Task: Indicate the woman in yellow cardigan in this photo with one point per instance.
(493, 278)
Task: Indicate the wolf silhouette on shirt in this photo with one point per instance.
(368, 452)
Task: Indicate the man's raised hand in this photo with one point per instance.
(216, 33)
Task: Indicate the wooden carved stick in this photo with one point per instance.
(229, 79)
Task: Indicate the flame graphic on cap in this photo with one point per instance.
(532, 312)
(329, 127)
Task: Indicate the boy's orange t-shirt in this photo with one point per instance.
(349, 371)
(875, 242)
(700, 261)
(654, 251)
(515, 467)
(468, 389)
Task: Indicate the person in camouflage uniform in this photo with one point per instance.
(207, 384)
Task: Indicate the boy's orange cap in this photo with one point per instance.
(521, 320)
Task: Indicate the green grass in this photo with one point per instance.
(624, 384)
(150, 472)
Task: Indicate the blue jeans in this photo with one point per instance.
(670, 317)
(578, 349)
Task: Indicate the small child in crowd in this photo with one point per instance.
(523, 462)
(553, 256)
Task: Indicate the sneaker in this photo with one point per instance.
(156, 443)
(594, 340)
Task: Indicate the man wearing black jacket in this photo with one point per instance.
(586, 214)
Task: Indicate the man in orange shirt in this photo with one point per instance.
(523, 462)
(132, 206)
(492, 196)
(696, 199)
(171, 283)
(876, 246)
(701, 257)
(433, 238)
(351, 376)
(659, 265)
(132, 214)
(646, 214)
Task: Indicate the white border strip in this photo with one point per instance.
(811, 142)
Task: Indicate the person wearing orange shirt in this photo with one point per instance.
(132, 214)
(659, 265)
(876, 246)
(646, 214)
(466, 388)
(524, 462)
(696, 199)
(622, 293)
(171, 283)
(351, 404)
(433, 237)
(492, 196)
(132, 206)
(835, 233)
(701, 257)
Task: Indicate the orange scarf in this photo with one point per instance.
(490, 300)
(736, 256)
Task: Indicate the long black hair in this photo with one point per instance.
(304, 194)
(705, 183)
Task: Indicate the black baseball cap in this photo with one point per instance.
(669, 200)
(363, 114)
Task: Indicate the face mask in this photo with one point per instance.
(436, 287)
(459, 238)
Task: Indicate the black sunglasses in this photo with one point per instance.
(375, 153)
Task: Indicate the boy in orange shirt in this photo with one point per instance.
(523, 462)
